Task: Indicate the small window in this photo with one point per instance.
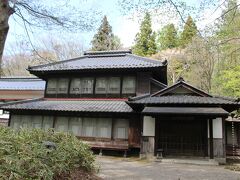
(89, 127)
(114, 85)
(121, 128)
(47, 122)
(104, 127)
(75, 86)
(87, 85)
(62, 86)
(101, 85)
(61, 124)
(129, 85)
(52, 86)
(75, 126)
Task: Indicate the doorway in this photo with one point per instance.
(181, 136)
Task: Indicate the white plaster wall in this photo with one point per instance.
(3, 116)
(217, 128)
(148, 126)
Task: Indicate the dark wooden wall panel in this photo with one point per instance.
(143, 85)
(154, 88)
(134, 133)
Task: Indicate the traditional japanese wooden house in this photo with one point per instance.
(18, 88)
(119, 101)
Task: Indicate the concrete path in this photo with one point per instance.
(131, 169)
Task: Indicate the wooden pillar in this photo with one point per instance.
(211, 138)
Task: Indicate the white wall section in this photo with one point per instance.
(148, 126)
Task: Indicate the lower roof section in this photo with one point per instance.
(207, 111)
(118, 106)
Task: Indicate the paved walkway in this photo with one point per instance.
(128, 169)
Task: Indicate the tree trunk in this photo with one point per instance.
(6, 12)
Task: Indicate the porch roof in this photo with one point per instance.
(209, 111)
(182, 99)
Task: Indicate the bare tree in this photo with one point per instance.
(202, 57)
(43, 14)
(62, 49)
(177, 63)
(21, 55)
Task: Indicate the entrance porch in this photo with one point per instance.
(186, 134)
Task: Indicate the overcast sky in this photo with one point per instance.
(124, 26)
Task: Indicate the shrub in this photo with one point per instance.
(24, 156)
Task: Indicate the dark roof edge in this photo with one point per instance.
(227, 98)
(31, 68)
(19, 102)
(163, 62)
(139, 97)
(20, 77)
(89, 53)
(156, 82)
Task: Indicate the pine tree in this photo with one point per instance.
(168, 37)
(104, 39)
(145, 44)
(189, 31)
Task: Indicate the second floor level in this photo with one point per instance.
(101, 74)
(102, 85)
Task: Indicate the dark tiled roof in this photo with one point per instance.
(21, 83)
(71, 105)
(100, 60)
(182, 99)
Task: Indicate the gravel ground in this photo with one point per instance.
(131, 169)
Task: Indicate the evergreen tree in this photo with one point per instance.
(104, 39)
(189, 31)
(145, 43)
(168, 37)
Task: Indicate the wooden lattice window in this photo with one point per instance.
(87, 85)
(75, 86)
(121, 127)
(114, 85)
(129, 85)
(101, 85)
(52, 86)
(62, 86)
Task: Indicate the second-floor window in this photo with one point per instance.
(106, 85)
(85, 86)
(129, 85)
(82, 86)
(114, 85)
(101, 85)
(52, 86)
(57, 86)
(62, 86)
